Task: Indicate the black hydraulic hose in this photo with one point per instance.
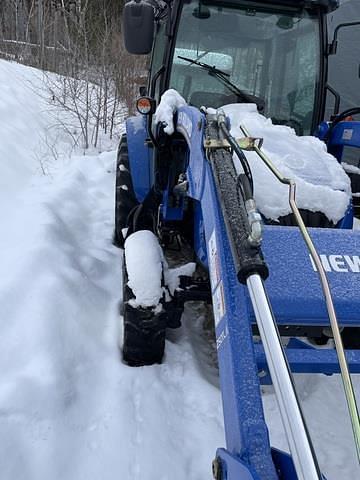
(245, 187)
(248, 185)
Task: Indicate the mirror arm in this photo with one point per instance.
(332, 47)
(168, 28)
(337, 98)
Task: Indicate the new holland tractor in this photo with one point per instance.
(284, 290)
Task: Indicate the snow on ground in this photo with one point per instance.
(350, 168)
(69, 408)
(19, 113)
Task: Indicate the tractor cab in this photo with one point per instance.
(216, 52)
(273, 54)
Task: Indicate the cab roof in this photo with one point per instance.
(327, 5)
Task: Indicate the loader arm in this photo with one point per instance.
(298, 302)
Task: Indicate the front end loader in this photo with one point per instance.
(284, 292)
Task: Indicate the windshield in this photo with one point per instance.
(272, 55)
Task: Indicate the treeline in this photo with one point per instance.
(76, 38)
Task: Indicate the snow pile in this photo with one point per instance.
(322, 185)
(23, 127)
(149, 275)
(171, 100)
(350, 168)
(144, 265)
(172, 275)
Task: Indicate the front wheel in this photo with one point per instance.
(125, 198)
(145, 318)
(144, 332)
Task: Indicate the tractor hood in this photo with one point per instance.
(293, 284)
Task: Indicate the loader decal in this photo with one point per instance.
(214, 265)
(218, 303)
(217, 287)
(223, 336)
(184, 125)
(339, 263)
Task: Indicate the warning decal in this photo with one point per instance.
(219, 303)
(214, 264)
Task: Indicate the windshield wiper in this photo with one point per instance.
(224, 78)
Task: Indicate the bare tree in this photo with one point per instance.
(81, 40)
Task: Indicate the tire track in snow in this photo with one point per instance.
(71, 409)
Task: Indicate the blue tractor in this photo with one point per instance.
(181, 190)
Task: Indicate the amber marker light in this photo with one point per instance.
(144, 105)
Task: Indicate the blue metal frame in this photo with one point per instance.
(296, 297)
(248, 454)
(345, 134)
(140, 156)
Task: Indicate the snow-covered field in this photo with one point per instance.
(69, 409)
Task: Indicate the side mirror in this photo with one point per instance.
(138, 23)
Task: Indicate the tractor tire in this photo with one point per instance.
(144, 331)
(125, 198)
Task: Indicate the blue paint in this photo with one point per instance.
(246, 431)
(296, 297)
(311, 360)
(284, 463)
(200, 246)
(322, 130)
(196, 168)
(344, 134)
(170, 212)
(293, 286)
(347, 222)
(233, 468)
(140, 156)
